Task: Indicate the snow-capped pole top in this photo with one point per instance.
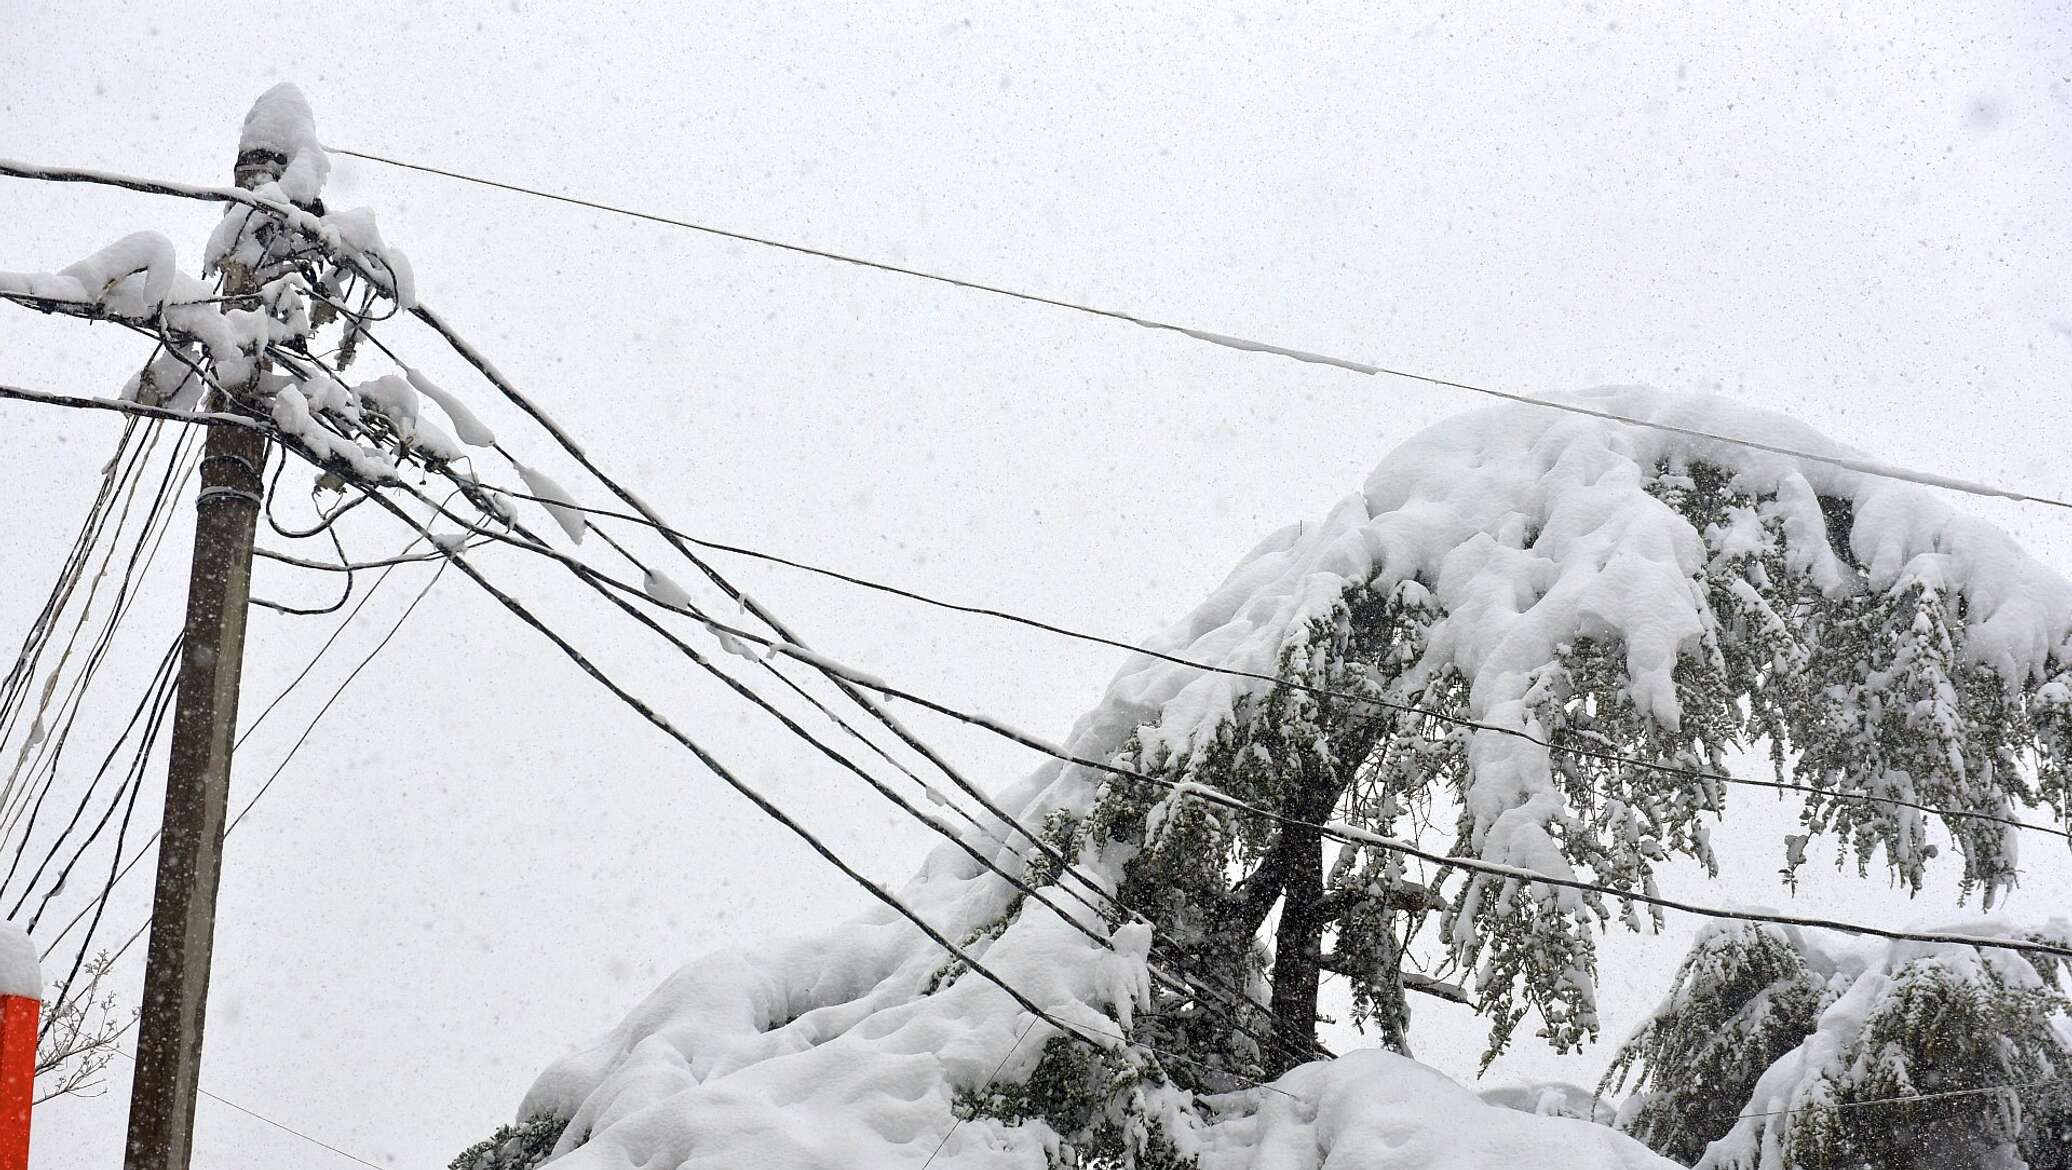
(20, 973)
(279, 143)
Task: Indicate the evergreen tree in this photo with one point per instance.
(1774, 1053)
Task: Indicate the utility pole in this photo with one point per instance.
(190, 849)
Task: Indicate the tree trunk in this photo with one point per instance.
(1297, 942)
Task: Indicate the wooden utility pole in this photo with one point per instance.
(190, 848)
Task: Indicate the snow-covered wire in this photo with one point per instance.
(1437, 716)
(136, 409)
(1248, 345)
(354, 566)
(117, 479)
(1862, 466)
(712, 763)
(1336, 831)
(37, 638)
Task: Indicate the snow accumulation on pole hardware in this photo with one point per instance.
(1649, 592)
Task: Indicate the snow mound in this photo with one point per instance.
(1530, 528)
(1379, 1111)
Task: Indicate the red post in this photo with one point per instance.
(18, 1019)
(21, 991)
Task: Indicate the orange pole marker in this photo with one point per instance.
(19, 1015)
(21, 990)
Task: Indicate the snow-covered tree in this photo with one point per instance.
(1532, 640)
(1777, 1050)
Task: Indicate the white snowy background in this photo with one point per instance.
(1855, 215)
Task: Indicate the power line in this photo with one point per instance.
(1243, 344)
(283, 1126)
(791, 638)
(305, 221)
(794, 649)
(594, 580)
(1295, 684)
(725, 774)
(777, 814)
(135, 409)
(859, 696)
(336, 692)
(253, 727)
(858, 682)
(1867, 467)
(1337, 831)
(143, 552)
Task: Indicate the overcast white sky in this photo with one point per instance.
(1851, 213)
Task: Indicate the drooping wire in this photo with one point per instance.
(249, 729)
(583, 573)
(134, 784)
(1333, 830)
(146, 715)
(50, 757)
(1438, 716)
(23, 668)
(127, 467)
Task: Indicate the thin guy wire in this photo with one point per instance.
(279, 1125)
(2008, 1088)
(1229, 341)
(958, 1120)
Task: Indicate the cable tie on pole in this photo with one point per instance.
(230, 493)
(229, 457)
